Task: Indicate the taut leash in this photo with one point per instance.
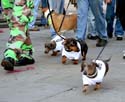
(101, 51)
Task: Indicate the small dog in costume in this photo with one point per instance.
(73, 49)
(55, 45)
(93, 73)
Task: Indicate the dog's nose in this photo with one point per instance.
(46, 51)
(85, 73)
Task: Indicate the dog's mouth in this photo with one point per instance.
(46, 51)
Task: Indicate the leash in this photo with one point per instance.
(61, 21)
(64, 16)
(100, 52)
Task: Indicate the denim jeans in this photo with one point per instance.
(44, 3)
(91, 29)
(35, 13)
(110, 16)
(97, 10)
(58, 6)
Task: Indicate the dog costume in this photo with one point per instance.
(59, 42)
(98, 75)
(72, 54)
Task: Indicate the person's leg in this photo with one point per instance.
(52, 4)
(18, 35)
(31, 25)
(91, 30)
(96, 7)
(82, 15)
(119, 32)
(44, 3)
(58, 6)
(120, 7)
(110, 14)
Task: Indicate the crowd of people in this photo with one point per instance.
(21, 16)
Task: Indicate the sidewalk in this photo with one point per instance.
(50, 81)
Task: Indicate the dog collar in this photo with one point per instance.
(93, 75)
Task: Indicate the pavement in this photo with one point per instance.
(48, 80)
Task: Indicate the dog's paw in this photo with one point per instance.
(84, 58)
(97, 87)
(63, 59)
(85, 89)
(54, 54)
(75, 61)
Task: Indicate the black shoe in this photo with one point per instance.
(89, 36)
(110, 35)
(123, 57)
(25, 61)
(119, 38)
(101, 43)
(8, 63)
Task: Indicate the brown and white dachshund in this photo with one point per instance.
(93, 73)
(55, 45)
(73, 49)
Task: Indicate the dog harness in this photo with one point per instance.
(59, 42)
(72, 54)
(98, 78)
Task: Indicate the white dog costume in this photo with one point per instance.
(99, 77)
(72, 54)
(59, 41)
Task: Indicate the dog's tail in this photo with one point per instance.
(107, 60)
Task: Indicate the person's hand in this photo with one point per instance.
(107, 1)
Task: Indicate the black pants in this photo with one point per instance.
(120, 11)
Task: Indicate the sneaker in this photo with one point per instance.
(34, 29)
(110, 35)
(25, 61)
(89, 36)
(101, 43)
(8, 63)
(123, 56)
(119, 38)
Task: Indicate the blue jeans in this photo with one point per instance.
(97, 10)
(91, 23)
(110, 16)
(58, 6)
(44, 3)
(35, 13)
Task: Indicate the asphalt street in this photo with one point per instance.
(48, 80)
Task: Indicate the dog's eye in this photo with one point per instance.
(67, 49)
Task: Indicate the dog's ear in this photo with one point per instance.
(64, 42)
(82, 66)
(73, 42)
(95, 64)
